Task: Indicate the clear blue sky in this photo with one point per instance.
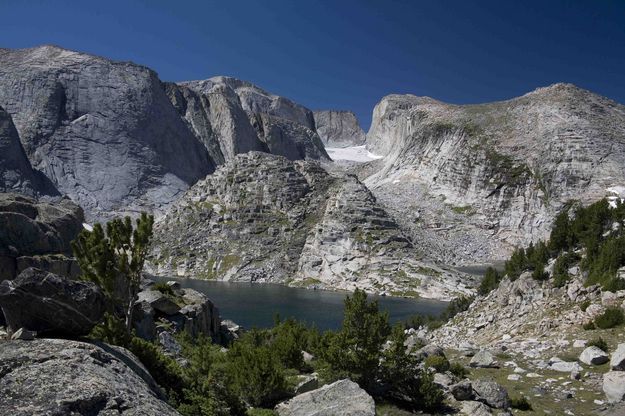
(346, 54)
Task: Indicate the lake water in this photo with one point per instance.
(255, 304)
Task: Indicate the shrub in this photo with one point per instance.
(164, 288)
(489, 282)
(589, 326)
(599, 343)
(458, 370)
(430, 395)
(610, 318)
(165, 370)
(520, 403)
(437, 362)
(584, 305)
(457, 305)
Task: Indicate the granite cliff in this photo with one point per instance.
(470, 182)
(339, 128)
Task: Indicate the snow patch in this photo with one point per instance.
(615, 193)
(354, 154)
(87, 227)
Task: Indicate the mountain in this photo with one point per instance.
(339, 128)
(261, 217)
(117, 140)
(103, 132)
(470, 182)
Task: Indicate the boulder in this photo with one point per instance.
(169, 343)
(614, 386)
(143, 320)
(305, 383)
(557, 364)
(24, 335)
(618, 358)
(442, 380)
(594, 356)
(491, 393)
(471, 408)
(51, 304)
(62, 377)
(462, 390)
(159, 301)
(483, 359)
(343, 397)
(430, 350)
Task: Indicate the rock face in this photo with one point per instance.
(492, 176)
(104, 132)
(61, 377)
(339, 128)
(37, 233)
(231, 116)
(49, 304)
(264, 218)
(16, 173)
(343, 397)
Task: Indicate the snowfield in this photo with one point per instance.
(354, 154)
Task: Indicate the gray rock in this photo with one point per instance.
(565, 366)
(305, 383)
(308, 357)
(114, 115)
(617, 362)
(483, 359)
(462, 390)
(61, 377)
(343, 397)
(159, 301)
(24, 335)
(431, 350)
(339, 128)
(594, 356)
(16, 173)
(442, 380)
(491, 393)
(143, 320)
(614, 386)
(51, 304)
(169, 343)
(471, 408)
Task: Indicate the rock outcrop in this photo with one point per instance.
(339, 128)
(16, 173)
(343, 397)
(472, 182)
(231, 116)
(179, 310)
(49, 304)
(104, 132)
(61, 377)
(264, 218)
(37, 233)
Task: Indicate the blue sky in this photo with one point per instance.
(346, 54)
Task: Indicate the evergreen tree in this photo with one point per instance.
(114, 260)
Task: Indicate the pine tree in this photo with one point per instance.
(114, 260)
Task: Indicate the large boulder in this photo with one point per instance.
(343, 397)
(483, 359)
(614, 386)
(594, 356)
(37, 233)
(62, 377)
(491, 393)
(618, 358)
(47, 303)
